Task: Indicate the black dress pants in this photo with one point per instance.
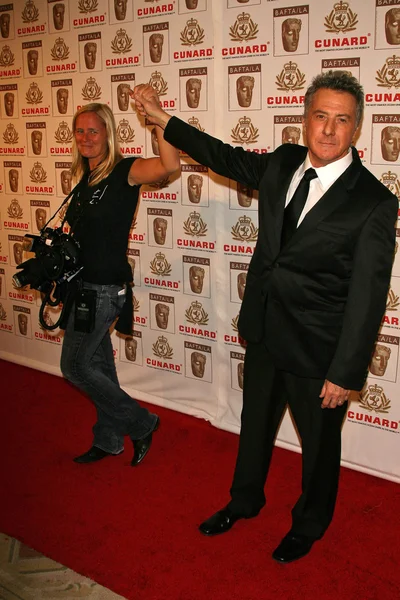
(266, 393)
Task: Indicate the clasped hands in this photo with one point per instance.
(146, 101)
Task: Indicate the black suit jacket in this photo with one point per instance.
(318, 302)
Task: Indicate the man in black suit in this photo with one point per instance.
(315, 295)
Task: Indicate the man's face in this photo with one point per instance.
(89, 52)
(196, 279)
(36, 141)
(13, 180)
(58, 16)
(156, 41)
(62, 100)
(65, 177)
(193, 88)
(244, 90)
(5, 25)
(198, 363)
(291, 34)
(291, 135)
(330, 126)
(392, 26)
(241, 284)
(160, 230)
(390, 143)
(22, 323)
(120, 9)
(130, 349)
(9, 103)
(41, 217)
(18, 253)
(154, 142)
(123, 96)
(162, 314)
(380, 360)
(194, 186)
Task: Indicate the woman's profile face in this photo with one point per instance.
(91, 138)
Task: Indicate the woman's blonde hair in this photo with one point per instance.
(113, 154)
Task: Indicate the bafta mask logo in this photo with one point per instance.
(60, 50)
(244, 132)
(91, 90)
(244, 230)
(13, 179)
(244, 28)
(64, 134)
(244, 194)
(193, 34)
(32, 59)
(3, 313)
(241, 284)
(66, 181)
(132, 264)
(155, 148)
(14, 210)
(130, 349)
(373, 398)
(341, 18)
(291, 134)
(194, 225)
(23, 323)
(291, 34)
(121, 44)
(156, 41)
(196, 279)
(62, 100)
(9, 102)
(196, 314)
(120, 9)
(391, 181)
(158, 83)
(125, 133)
(193, 89)
(198, 364)
(36, 142)
(191, 4)
(40, 218)
(194, 187)
(390, 143)
(244, 90)
(380, 359)
(30, 14)
(160, 266)
(123, 90)
(18, 252)
(34, 95)
(162, 315)
(89, 53)
(389, 75)
(392, 26)
(10, 135)
(160, 230)
(162, 349)
(5, 25)
(7, 58)
(290, 78)
(58, 16)
(240, 374)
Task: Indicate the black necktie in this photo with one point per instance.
(295, 207)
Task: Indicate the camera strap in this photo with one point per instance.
(60, 207)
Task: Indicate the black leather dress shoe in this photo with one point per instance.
(93, 455)
(292, 547)
(220, 522)
(141, 447)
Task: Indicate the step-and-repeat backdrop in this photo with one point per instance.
(239, 70)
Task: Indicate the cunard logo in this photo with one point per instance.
(194, 122)
(196, 314)
(60, 50)
(162, 349)
(244, 132)
(14, 210)
(392, 301)
(91, 90)
(30, 14)
(244, 230)
(341, 18)
(125, 133)
(3, 314)
(37, 174)
(7, 58)
(195, 225)
(34, 94)
(389, 75)
(374, 399)
(290, 78)
(158, 83)
(87, 6)
(121, 43)
(392, 183)
(63, 135)
(193, 34)
(10, 136)
(244, 28)
(159, 265)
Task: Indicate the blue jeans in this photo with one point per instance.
(87, 361)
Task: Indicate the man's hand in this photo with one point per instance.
(333, 395)
(148, 104)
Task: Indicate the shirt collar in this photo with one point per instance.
(328, 174)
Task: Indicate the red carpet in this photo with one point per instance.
(135, 530)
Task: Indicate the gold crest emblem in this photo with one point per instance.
(244, 132)
(10, 136)
(7, 58)
(374, 399)
(158, 83)
(164, 183)
(37, 174)
(14, 210)
(91, 90)
(392, 182)
(234, 323)
(392, 301)
(136, 304)
(30, 14)
(196, 314)
(341, 19)
(34, 95)
(160, 266)
(162, 349)
(194, 122)
(87, 6)
(195, 225)
(193, 34)
(121, 43)
(389, 75)
(244, 230)
(60, 50)
(244, 28)
(125, 133)
(290, 78)
(63, 135)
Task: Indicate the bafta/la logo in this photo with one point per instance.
(37, 174)
(341, 19)
(244, 230)
(392, 301)
(10, 136)
(60, 50)
(91, 90)
(14, 210)
(34, 95)
(374, 399)
(121, 43)
(3, 314)
(63, 135)
(389, 75)
(160, 266)
(290, 78)
(162, 349)
(195, 225)
(158, 83)
(125, 133)
(30, 14)
(244, 28)
(196, 314)
(87, 6)
(7, 58)
(193, 34)
(391, 181)
(244, 132)
(194, 122)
